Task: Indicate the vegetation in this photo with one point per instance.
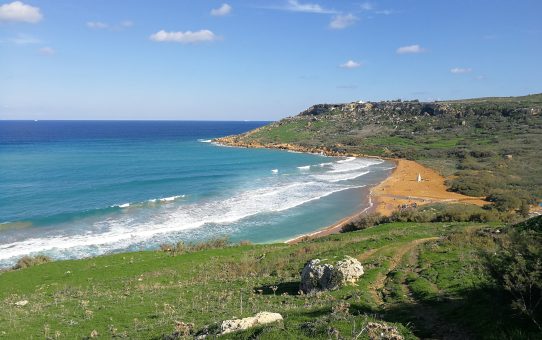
(431, 213)
(183, 248)
(489, 146)
(424, 279)
(517, 268)
(30, 261)
(435, 271)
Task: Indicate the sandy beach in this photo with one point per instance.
(401, 188)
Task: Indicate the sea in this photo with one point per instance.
(74, 189)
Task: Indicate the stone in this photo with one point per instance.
(316, 276)
(21, 303)
(350, 269)
(380, 331)
(262, 318)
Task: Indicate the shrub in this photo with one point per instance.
(181, 247)
(362, 221)
(517, 268)
(430, 213)
(30, 261)
(504, 200)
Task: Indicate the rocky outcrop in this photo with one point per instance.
(380, 331)
(350, 269)
(262, 318)
(318, 276)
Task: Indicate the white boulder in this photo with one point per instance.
(316, 276)
(262, 318)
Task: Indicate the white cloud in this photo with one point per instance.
(184, 37)
(459, 70)
(126, 23)
(46, 51)
(25, 39)
(370, 7)
(350, 64)
(367, 6)
(385, 12)
(18, 11)
(225, 9)
(100, 25)
(97, 25)
(410, 49)
(296, 6)
(341, 21)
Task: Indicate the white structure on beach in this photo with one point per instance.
(419, 179)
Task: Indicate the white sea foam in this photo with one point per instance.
(304, 168)
(166, 199)
(154, 223)
(120, 232)
(334, 177)
(172, 198)
(348, 159)
(152, 200)
(353, 164)
(205, 140)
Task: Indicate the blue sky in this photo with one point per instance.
(260, 59)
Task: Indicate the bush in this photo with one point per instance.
(362, 221)
(504, 201)
(181, 247)
(430, 213)
(30, 261)
(517, 268)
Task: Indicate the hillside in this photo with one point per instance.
(423, 279)
(486, 147)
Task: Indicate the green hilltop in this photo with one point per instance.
(489, 147)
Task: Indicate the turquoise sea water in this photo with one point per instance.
(72, 189)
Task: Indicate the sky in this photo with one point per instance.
(259, 59)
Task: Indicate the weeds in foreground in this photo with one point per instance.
(183, 248)
(30, 261)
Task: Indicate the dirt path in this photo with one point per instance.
(426, 315)
(399, 252)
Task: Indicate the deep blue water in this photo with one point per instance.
(72, 189)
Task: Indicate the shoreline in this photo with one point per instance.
(336, 227)
(399, 190)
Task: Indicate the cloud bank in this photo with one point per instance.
(296, 6)
(18, 11)
(460, 70)
(187, 37)
(225, 9)
(350, 64)
(410, 49)
(341, 21)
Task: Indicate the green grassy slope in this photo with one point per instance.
(491, 146)
(428, 279)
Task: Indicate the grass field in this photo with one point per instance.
(426, 279)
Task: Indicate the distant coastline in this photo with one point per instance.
(399, 189)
